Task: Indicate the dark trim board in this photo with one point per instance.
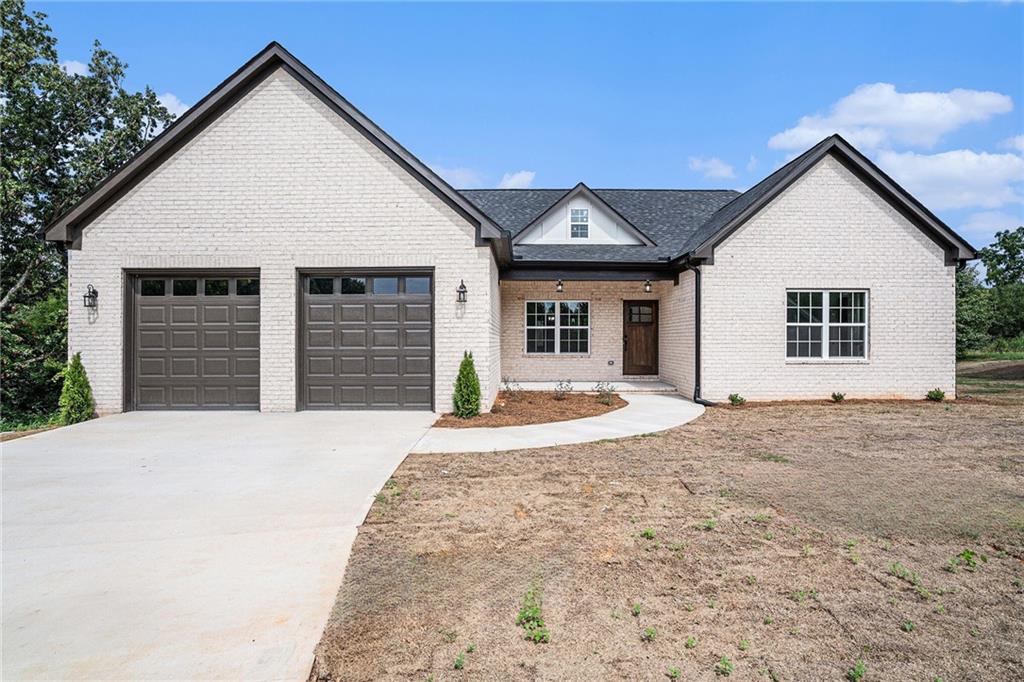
(567, 272)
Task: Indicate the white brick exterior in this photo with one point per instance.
(827, 230)
(677, 364)
(605, 329)
(280, 182)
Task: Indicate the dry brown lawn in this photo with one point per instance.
(776, 533)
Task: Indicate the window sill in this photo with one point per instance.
(828, 361)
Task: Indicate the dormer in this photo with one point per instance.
(581, 217)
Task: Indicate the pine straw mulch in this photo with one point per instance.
(519, 408)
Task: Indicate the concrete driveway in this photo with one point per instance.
(185, 545)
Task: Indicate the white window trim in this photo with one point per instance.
(558, 327)
(586, 222)
(825, 357)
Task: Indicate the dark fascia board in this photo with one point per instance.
(68, 227)
(581, 188)
(956, 247)
(553, 272)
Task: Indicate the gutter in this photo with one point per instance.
(696, 335)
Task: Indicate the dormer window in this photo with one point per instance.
(579, 223)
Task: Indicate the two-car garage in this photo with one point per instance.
(364, 340)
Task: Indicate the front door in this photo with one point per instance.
(640, 337)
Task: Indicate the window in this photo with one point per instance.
(385, 285)
(844, 326)
(579, 223)
(554, 327)
(641, 314)
(184, 287)
(353, 285)
(321, 285)
(417, 285)
(247, 286)
(152, 287)
(215, 287)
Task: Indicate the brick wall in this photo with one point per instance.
(676, 352)
(280, 182)
(827, 230)
(605, 329)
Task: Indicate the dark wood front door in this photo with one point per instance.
(639, 337)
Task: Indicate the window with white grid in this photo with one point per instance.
(826, 324)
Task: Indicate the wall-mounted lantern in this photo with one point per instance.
(461, 292)
(90, 296)
(558, 286)
(647, 286)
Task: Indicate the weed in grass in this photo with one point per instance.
(940, 609)
(769, 536)
(708, 524)
(447, 636)
(850, 544)
(724, 667)
(673, 672)
(768, 620)
(471, 648)
(973, 632)
(450, 515)
(691, 642)
(649, 634)
(800, 596)
(460, 661)
(635, 609)
(907, 626)
(677, 546)
(857, 672)
(905, 574)
(615, 614)
(751, 580)
(417, 494)
(647, 534)
(807, 551)
(744, 644)
(761, 518)
(531, 618)
(969, 559)
(772, 457)
(838, 397)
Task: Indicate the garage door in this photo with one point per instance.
(195, 341)
(366, 341)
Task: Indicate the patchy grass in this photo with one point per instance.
(874, 502)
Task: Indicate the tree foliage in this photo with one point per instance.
(1004, 258)
(76, 403)
(466, 398)
(992, 315)
(60, 134)
(973, 312)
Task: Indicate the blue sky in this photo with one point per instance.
(654, 95)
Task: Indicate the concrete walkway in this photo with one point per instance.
(181, 546)
(645, 413)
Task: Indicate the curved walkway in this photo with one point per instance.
(645, 413)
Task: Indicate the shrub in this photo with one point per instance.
(605, 392)
(531, 619)
(511, 388)
(466, 399)
(563, 389)
(838, 397)
(736, 399)
(936, 395)
(76, 403)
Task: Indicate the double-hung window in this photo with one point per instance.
(826, 324)
(579, 223)
(554, 327)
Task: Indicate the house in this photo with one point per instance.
(275, 249)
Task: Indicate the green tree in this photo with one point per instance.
(973, 312)
(34, 341)
(1004, 258)
(466, 398)
(60, 134)
(76, 403)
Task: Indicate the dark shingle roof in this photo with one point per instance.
(669, 217)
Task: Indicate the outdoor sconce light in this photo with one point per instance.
(558, 286)
(461, 291)
(90, 296)
(647, 286)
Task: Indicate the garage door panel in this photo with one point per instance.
(383, 330)
(194, 346)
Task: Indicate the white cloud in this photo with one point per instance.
(460, 178)
(987, 223)
(711, 167)
(74, 68)
(957, 179)
(1016, 142)
(173, 104)
(518, 180)
(876, 115)
(751, 164)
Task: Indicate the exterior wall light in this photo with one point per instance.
(90, 296)
(647, 286)
(461, 292)
(558, 286)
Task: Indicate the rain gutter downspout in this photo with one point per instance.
(696, 335)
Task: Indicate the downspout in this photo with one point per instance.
(696, 336)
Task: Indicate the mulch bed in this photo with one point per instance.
(12, 435)
(533, 407)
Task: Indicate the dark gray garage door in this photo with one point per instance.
(366, 341)
(195, 342)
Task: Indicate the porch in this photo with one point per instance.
(626, 386)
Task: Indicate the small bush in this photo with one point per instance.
(735, 399)
(936, 395)
(511, 387)
(563, 389)
(466, 399)
(605, 392)
(76, 402)
(838, 397)
(531, 619)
